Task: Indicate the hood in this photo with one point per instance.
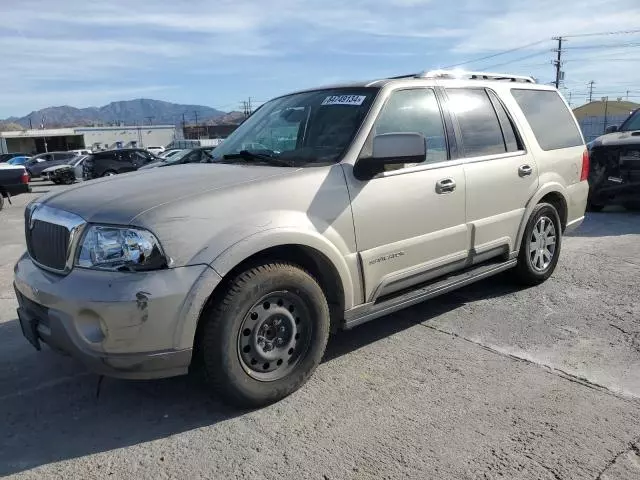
(119, 199)
(57, 167)
(618, 139)
(154, 164)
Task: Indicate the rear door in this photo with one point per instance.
(501, 174)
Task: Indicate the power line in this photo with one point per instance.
(621, 45)
(522, 47)
(619, 32)
(526, 57)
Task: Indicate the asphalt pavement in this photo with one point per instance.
(491, 381)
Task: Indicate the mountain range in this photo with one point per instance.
(141, 111)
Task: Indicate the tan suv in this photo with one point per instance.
(325, 209)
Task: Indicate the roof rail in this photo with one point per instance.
(462, 74)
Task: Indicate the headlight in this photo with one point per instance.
(120, 248)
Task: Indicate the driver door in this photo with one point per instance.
(410, 220)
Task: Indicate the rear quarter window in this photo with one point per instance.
(550, 119)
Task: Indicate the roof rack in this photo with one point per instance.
(462, 74)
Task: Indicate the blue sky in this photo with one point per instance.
(219, 52)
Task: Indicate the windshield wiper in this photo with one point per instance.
(247, 155)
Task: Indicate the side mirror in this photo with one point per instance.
(391, 149)
(611, 129)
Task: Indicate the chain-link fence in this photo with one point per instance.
(593, 127)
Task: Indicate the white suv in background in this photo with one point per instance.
(325, 209)
(155, 150)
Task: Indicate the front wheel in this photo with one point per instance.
(540, 247)
(265, 336)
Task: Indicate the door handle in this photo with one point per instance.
(446, 185)
(525, 170)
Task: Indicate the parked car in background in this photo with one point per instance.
(170, 152)
(81, 151)
(5, 157)
(14, 180)
(155, 150)
(614, 177)
(66, 173)
(192, 155)
(36, 164)
(393, 192)
(113, 162)
(21, 160)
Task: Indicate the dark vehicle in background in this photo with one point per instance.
(38, 163)
(14, 180)
(113, 162)
(5, 157)
(193, 155)
(614, 176)
(67, 173)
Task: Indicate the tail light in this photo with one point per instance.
(584, 175)
(25, 177)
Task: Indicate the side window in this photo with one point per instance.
(479, 126)
(511, 138)
(550, 119)
(414, 111)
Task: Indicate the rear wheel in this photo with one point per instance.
(264, 338)
(540, 247)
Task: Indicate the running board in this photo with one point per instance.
(371, 311)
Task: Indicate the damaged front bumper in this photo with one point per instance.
(121, 324)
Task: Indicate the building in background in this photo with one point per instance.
(200, 132)
(594, 117)
(95, 138)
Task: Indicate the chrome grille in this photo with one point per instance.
(48, 244)
(50, 236)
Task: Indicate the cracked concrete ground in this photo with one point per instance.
(487, 382)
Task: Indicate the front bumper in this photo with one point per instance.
(128, 325)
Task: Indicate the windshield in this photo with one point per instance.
(631, 123)
(17, 161)
(310, 128)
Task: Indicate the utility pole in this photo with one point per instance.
(606, 111)
(250, 107)
(558, 62)
(195, 113)
(150, 120)
(569, 98)
(591, 91)
(627, 95)
(31, 125)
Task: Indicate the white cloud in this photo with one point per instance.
(102, 45)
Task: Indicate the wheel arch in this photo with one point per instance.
(323, 261)
(552, 193)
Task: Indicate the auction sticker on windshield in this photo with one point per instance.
(344, 100)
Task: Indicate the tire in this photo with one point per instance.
(242, 360)
(109, 173)
(533, 269)
(1, 201)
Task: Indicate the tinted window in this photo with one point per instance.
(415, 111)
(479, 126)
(511, 139)
(549, 118)
(631, 123)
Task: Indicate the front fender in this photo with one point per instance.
(274, 237)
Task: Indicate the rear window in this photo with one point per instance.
(549, 118)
